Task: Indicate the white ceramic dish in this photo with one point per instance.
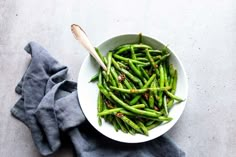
(87, 92)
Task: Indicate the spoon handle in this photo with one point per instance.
(80, 35)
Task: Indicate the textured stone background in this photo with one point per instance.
(202, 33)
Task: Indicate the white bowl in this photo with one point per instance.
(88, 92)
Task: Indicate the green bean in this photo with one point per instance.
(136, 46)
(164, 50)
(150, 70)
(123, 49)
(133, 56)
(131, 83)
(143, 128)
(165, 75)
(171, 70)
(155, 58)
(127, 59)
(115, 76)
(157, 51)
(139, 91)
(162, 118)
(142, 59)
(139, 106)
(109, 57)
(129, 122)
(174, 82)
(161, 85)
(151, 100)
(142, 46)
(99, 54)
(127, 113)
(130, 108)
(95, 77)
(115, 125)
(140, 83)
(164, 57)
(151, 59)
(151, 97)
(171, 82)
(99, 121)
(111, 111)
(135, 69)
(165, 106)
(122, 127)
(130, 130)
(104, 83)
(151, 110)
(112, 80)
(131, 76)
(119, 47)
(173, 96)
(104, 91)
(150, 127)
(154, 65)
(105, 75)
(144, 73)
(149, 123)
(116, 65)
(140, 54)
(170, 104)
(100, 77)
(99, 102)
(104, 108)
(151, 118)
(127, 84)
(105, 60)
(110, 118)
(136, 98)
(122, 65)
(156, 92)
(144, 102)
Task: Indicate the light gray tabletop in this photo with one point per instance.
(202, 33)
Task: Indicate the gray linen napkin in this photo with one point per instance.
(50, 108)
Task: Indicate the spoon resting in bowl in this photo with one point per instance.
(80, 35)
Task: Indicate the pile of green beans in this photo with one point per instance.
(137, 90)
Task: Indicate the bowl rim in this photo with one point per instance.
(184, 74)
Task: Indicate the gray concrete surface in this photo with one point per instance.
(202, 33)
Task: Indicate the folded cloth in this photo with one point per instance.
(50, 108)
